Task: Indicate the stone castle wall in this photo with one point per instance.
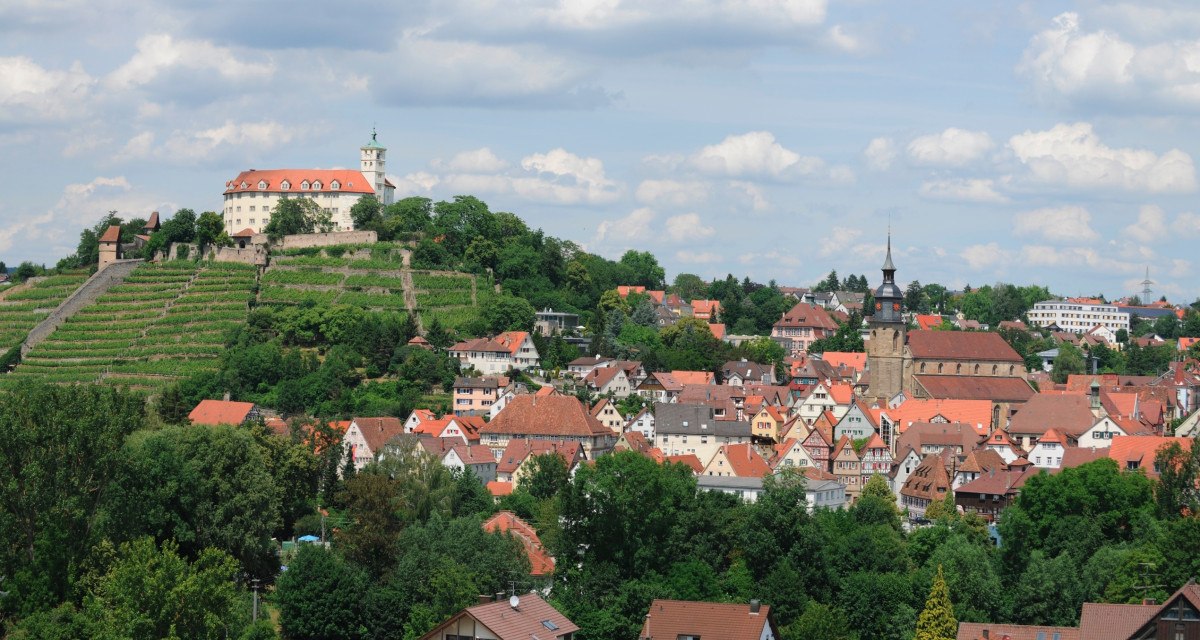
(304, 241)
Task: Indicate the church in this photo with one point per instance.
(946, 365)
(253, 194)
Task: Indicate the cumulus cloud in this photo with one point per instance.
(697, 257)
(1068, 63)
(839, 239)
(32, 93)
(480, 160)
(81, 204)
(1072, 155)
(635, 226)
(962, 189)
(1074, 257)
(1068, 225)
(203, 143)
(671, 192)
(572, 179)
(880, 153)
(951, 148)
(159, 53)
(418, 182)
(1187, 224)
(984, 256)
(687, 227)
(755, 154)
(1151, 225)
(758, 200)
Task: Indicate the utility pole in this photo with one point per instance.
(254, 585)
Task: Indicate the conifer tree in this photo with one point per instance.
(937, 621)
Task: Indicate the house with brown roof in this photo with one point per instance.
(820, 448)
(740, 372)
(992, 492)
(557, 418)
(518, 618)
(738, 461)
(1048, 452)
(767, 424)
(687, 620)
(688, 459)
(494, 356)
(975, 463)
(606, 412)
(638, 443)
(110, 246)
(660, 386)
(1068, 414)
(790, 453)
(935, 437)
(513, 463)
(847, 466)
(1141, 452)
(475, 458)
(214, 412)
(928, 483)
(365, 438)
(706, 309)
(580, 367)
(475, 396)
(683, 428)
(876, 458)
(993, 631)
(608, 381)
(802, 325)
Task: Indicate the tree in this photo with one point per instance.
(1176, 491)
(937, 621)
(509, 313)
(689, 286)
(547, 475)
(1068, 361)
(151, 592)
(320, 596)
(367, 213)
(297, 215)
(210, 230)
(914, 298)
(181, 227)
(830, 283)
(644, 266)
(819, 622)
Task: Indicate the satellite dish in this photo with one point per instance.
(514, 601)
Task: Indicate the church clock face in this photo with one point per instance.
(878, 306)
(895, 306)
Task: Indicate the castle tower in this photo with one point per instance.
(373, 163)
(885, 349)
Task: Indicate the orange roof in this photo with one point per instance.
(656, 296)
(689, 459)
(221, 412)
(856, 361)
(693, 377)
(541, 563)
(546, 390)
(1139, 452)
(507, 342)
(843, 394)
(111, 234)
(554, 415)
(244, 233)
(807, 315)
(1186, 343)
(927, 322)
(349, 181)
(625, 290)
(499, 489)
(710, 307)
(976, 413)
(744, 460)
(678, 619)
(717, 329)
(961, 345)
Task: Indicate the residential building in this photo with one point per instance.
(706, 309)
(214, 412)
(858, 423)
(876, 458)
(685, 620)
(475, 396)
(512, 463)
(906, 463)
(992, 492)
(520, 617)
(541, 563)
(820, 448)
(643, 423)
(1068, 414)
(739, 373)
(608, 381)
(1048, 452)
(695, 428)
(847, 467)
(802, 325)
(550, 322)
(739, 461)
(1078, 317)
(606, 412)
(557, 418)
(250, 198)
(927, 484)
(580, 367)
(492, 356)
(366, 437)
(791, 453)
(768, 423)
(475, 458)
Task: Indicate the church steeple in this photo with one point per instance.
(888, 297)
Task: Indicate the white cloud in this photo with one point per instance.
(758, 200)
(1072, 155)
(160, 53)
(755, 154)
(574, 179)
(480, 160)
(697, 257)
(1069, 224)
(1151, 225)
(687, 227)
(984, 256)
(962, 189)
(951, 148)
(1187, 224)
(1068, 257)
(80, 205)
(201, 144)
(880, 153)
(838, 241)
(842, 40)
(671, 193)
(139, 146)
(32, 93)
(635, 226)
(1067, 63)
(419, 182)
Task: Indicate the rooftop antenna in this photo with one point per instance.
(1146, 286)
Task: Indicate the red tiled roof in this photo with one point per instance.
(1069, 414)
(624, 290)
(1140, 451)
(807, 315)
(976, 388)
(153, 223)
(710, 307)
(499, 489)
(508, 342)
(927, 478)
(540, 561)
(377, 431)
(689, 459)
(927, 322)
(856, 361)
(111, 234)
(244, 233)
(601, 376)
(744, 460)
(961, 345)
(1113, 621)
(349, 181)
(220, 412)
(717, 329)
(507, 623)
(977, 413)
(519, 450)
(670, 619)
(553, 415)
(693, 377)
(473, 454)
(999, 482)
(977, 630)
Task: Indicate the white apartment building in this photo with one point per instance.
(253, 194)
(1078, 317)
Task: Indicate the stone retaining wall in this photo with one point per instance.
(86, 294)
(304, 241)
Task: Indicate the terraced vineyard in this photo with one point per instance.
(23, 306)
(373, 282)
(166, 321)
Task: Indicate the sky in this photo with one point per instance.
(1044, 142)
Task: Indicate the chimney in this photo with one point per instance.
(754, 605)
(498, 597)
(484, 598)
(1149, 601)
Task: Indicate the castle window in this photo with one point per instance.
(285, 185)
(335, 185)
(1012, 369)
(940, 367)
(262, 184)
(304, 185)
(317, 185)
(244, 185)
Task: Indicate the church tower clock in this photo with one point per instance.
(885, 348)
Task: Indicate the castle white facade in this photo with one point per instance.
(252, 195)
(1078, 317)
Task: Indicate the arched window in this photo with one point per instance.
(958, 368)
(285, 185)
(922, 367)
(317, 185)
(939, 367)
(995, 369)
(304, 185)
(976, 369)
(1012, 369)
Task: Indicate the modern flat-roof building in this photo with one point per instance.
(1078, 317)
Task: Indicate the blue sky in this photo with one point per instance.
(1039, 142)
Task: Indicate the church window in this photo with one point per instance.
(976, 369)
(922, 367)
(995, 369)
(958, 368)
(1012, 369)
(940, 367)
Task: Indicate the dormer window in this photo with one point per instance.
(335, 185)
(262, 184)
(317, 185)
(285, 185)
(244, 185)
(304, 185)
